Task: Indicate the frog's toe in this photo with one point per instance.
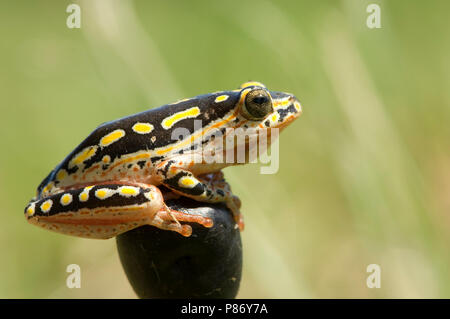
(178, 216)
(240, 222)
(169, 219)
(185, 230)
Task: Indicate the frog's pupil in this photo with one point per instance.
(260, 100)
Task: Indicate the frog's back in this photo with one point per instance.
(139, 134)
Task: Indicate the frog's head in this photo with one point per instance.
(260, 108)
(250, 113)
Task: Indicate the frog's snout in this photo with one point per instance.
(297, 105)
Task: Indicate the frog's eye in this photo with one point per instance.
(257, 105)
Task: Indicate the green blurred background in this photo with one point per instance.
(364, 174)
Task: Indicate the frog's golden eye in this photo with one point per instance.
(257, 105)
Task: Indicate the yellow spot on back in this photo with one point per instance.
(106, 159)
(297, 106)
(112, 137)
(142, 128)
(170, 121)
(84, 155)
(66, 199)
(221, 98)
(46, 206)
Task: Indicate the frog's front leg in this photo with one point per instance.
(209, 188)
(105, 211)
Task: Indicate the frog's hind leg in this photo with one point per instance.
(98, 211)
(107, 210)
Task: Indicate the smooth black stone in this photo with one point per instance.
(164, 264)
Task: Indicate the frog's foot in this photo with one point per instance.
(169, 219)
(222, 190)
(208, 188)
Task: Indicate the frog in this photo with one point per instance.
(113, 181)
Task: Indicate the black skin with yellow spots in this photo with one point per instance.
(132, 142)
(116, 200)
